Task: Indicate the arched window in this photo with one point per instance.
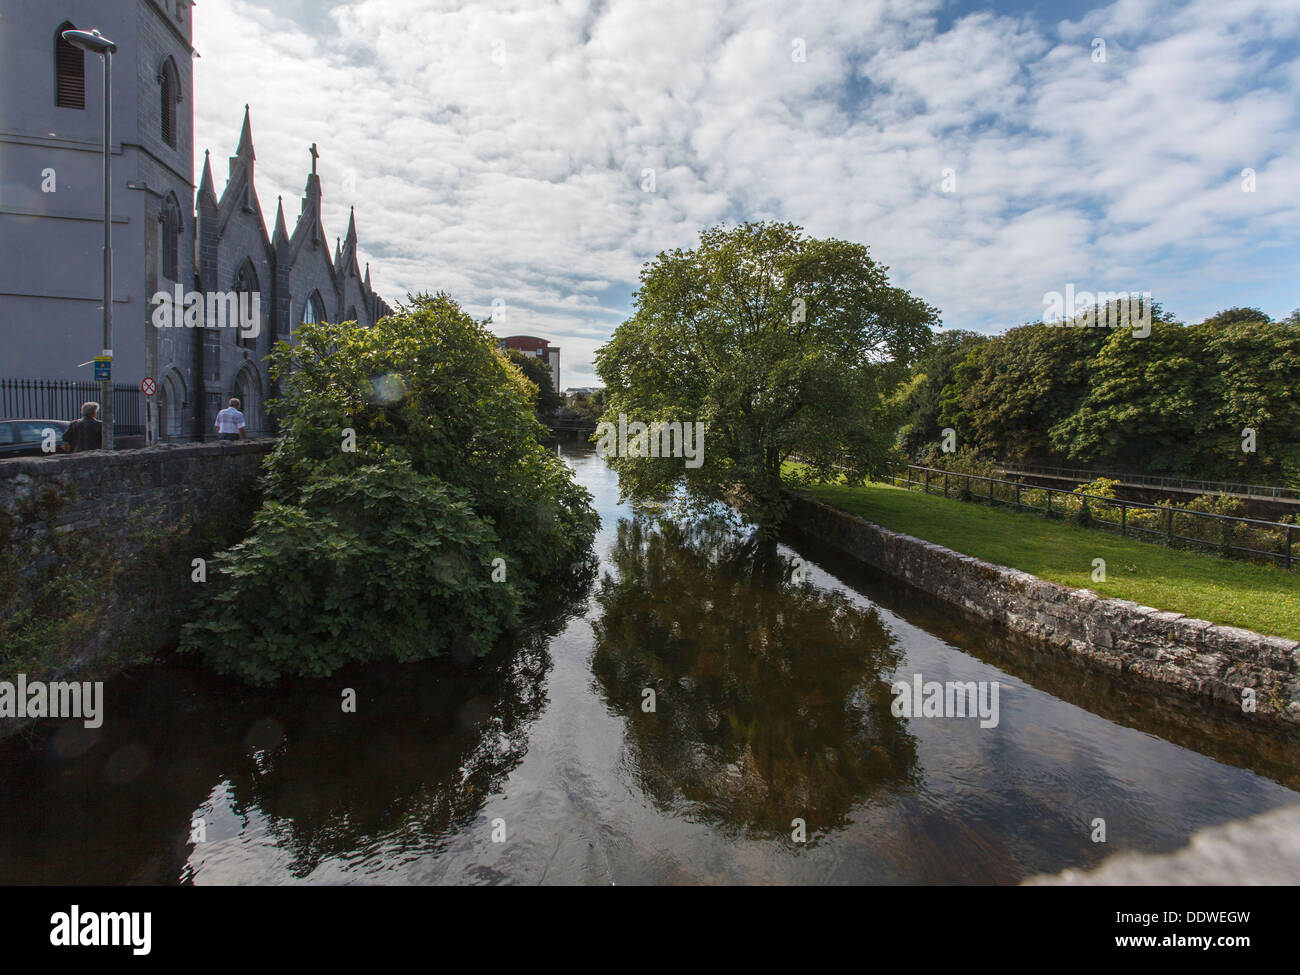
(313, 309)
(171, 238)
(69, 71)
(169, 87)
(246, 284)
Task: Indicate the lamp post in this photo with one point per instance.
(96, 43)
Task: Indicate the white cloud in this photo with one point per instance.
(498, 147)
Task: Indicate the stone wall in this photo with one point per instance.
(101, 543)
(1211, 661)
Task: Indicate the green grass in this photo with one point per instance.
(1258, 597)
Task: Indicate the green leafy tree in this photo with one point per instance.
(1230, 316)
(1145, 403)
(781, 344)
(922, 400)
(409, 507)
(775, 694)
(1252, 368)
(1007, 393)
(535, 369)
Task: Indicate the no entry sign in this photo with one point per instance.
(148, 386)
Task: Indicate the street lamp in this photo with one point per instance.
(96, 43)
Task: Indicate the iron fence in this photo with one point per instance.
(1167, 519)
(1158, 481)
(61, 399)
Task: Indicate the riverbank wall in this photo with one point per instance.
(97, 550)
(1212, 662)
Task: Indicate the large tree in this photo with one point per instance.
(1145, 404)
(1252, 384)
(783, 345)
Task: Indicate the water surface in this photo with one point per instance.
(772, 703)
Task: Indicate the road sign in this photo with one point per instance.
(148, 386)
(103, 368)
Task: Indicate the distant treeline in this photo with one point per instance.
(1179, 401)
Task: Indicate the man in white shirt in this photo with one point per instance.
(230, 422)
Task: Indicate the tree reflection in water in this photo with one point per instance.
(772, 696)
(426, 748)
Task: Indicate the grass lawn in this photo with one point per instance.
(1257, 597)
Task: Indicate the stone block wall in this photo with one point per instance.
(105, 488)
(128, 523)
(1195, 656)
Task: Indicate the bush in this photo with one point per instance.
(383, 563)
(388, 549)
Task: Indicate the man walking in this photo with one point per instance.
(230, 422)
(86, 433)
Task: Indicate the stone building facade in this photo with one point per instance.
(168, 236)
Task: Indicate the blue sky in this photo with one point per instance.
(499, 150)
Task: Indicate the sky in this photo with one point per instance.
(528, 157)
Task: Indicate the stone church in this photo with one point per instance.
(167, 235)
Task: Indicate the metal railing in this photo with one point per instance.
(61, 399)
(1157, 481)
(1013, 494)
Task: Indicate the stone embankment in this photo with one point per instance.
(1220, 663)
(97, 550)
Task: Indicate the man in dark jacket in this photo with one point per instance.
(86, 433)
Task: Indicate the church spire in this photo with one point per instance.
(281, 236)
(206, 192)
(338, 254)
(246, 138)
(348, 256)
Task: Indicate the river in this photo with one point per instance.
(673, 724)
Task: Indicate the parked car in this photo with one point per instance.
(23, 438)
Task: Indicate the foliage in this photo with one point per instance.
(1252, 381)
(446, 475)
(382, 562)
(774, 693)
(1231, 316)
(1177, 401)
(584, 407)
(781, 344)
(1011, 390)
(922, 400)
(535, 369)
(1143, 401)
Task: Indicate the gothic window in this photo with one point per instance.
(246, 284)
(313, 309)
(69, 71)
(171, 238)
(169, 88)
